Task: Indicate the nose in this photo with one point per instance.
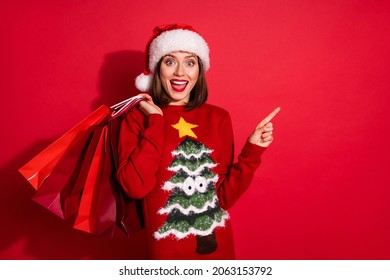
(179, 70)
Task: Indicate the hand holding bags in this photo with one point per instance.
(76, 175)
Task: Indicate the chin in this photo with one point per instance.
(179, 97)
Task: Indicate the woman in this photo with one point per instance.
(176, 152)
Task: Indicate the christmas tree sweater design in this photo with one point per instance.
(193, 206)
(181, 166)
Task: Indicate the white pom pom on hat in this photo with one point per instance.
(167, 39)
(143, 82)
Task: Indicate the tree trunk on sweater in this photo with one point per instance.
(206, 244)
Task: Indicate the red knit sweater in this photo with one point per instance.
(181, 164)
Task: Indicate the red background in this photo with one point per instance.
(322, 191)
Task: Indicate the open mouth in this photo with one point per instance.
(179, 85)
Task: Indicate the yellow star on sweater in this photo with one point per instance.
(185, 128)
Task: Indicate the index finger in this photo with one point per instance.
(269, 117)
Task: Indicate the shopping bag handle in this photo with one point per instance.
(122, 107)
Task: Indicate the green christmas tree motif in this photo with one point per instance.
(192, 207)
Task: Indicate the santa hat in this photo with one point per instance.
(167, 39)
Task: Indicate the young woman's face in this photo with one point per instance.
(179, 72)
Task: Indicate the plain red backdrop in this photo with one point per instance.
(322, 191)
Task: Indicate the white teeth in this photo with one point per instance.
(179, 83)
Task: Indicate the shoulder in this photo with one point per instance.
(134, 118)
(134, 113)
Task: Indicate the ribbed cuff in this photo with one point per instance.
(252, 152)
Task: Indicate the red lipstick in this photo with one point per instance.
(179, 85)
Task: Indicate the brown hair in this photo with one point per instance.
(198, 94)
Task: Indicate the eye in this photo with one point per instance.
(189, 186)
(201, 184)
(190, 63)
(169, 62)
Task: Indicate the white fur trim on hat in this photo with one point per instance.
(144, 82)
(178, 40)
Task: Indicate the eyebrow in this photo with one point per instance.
(188, 56)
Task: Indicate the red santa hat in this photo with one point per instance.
(167, 39)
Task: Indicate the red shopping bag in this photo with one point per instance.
(104, 207)
(97, 211)
(76, 175)
(40, 167)
(58, 193)
(129, 211)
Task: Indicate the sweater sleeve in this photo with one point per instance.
(139, 151)
(235, 177)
